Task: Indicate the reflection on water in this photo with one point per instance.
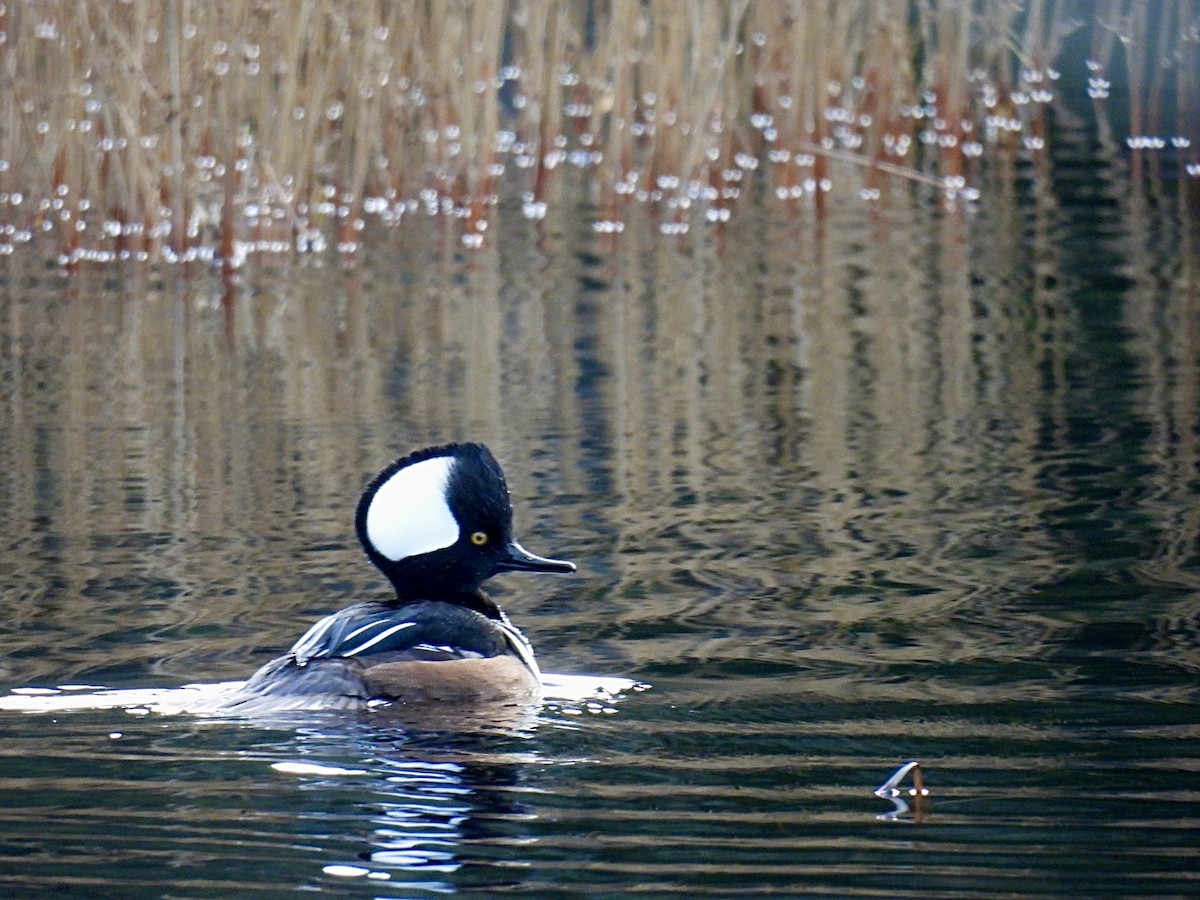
(897, 482)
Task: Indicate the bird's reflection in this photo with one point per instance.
(444, 790)
(444, 795)
(436, 817)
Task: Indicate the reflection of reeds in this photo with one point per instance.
(827, 430)
(215, 130)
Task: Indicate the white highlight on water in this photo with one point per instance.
(577, 691)
(297, 768)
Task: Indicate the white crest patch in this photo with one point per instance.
(409, 515)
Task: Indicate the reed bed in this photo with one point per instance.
(191, 130)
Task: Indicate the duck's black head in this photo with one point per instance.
(439, 523)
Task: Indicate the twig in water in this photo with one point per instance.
(900, 796)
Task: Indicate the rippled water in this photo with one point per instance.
(895, 483)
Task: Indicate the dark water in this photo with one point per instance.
(900, 482)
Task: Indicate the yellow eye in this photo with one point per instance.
(479, 538)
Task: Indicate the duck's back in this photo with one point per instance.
(413, 653)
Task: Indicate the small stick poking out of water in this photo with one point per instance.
(892, 790)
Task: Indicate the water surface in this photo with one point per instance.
(894, 482)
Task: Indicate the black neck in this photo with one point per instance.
(472, 600)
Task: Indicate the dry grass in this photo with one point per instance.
(215, 130)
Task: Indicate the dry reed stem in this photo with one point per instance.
(214, 130)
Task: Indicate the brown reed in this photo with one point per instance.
(214, 130)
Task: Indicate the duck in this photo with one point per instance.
(437, 523)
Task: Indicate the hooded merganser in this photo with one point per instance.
(437, 523)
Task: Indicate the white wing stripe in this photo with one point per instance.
(521, 644)
(383, 635)
(310, 638)
(359, 630)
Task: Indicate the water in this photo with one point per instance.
(899, 483)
